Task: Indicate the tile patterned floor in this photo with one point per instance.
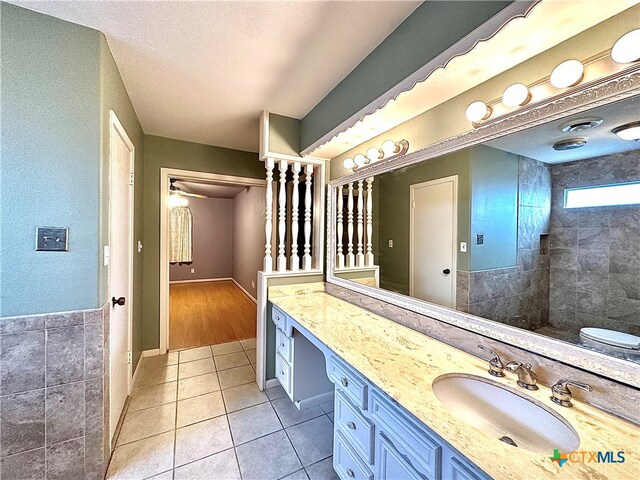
(198, 414)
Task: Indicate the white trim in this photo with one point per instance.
(265, 151)
(454, 253)
(145, 353)
(165, 174)
(199, 280)
(116, 127)
(244, 290)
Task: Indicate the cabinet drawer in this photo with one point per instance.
(283, 374)
(279, 318)
(346, 462)
(355, 427)
(419, 448)
(283, 345)
(349, 382)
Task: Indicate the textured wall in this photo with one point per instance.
(212, 240)
(50, 173)
(595, 259)
(248, 239)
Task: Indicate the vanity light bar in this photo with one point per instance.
(388, 149)
(565, 75)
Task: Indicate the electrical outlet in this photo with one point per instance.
(463, 247)
(193, 270)
(390, 243)
(479, 239)
(253, 284)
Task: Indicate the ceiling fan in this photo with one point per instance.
(176, 191)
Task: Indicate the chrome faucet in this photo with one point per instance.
(561, 394)
(496, 367)
(526, 378)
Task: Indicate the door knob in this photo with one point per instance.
(446, 271)
(117, 301)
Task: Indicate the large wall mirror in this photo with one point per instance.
(536, 231)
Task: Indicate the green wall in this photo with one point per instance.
(494, 208)
(284, 134)
(50, 168)
(165, 152)
(115, 97)
(432, 28)
(393, 192)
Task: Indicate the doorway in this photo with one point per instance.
(433, 239)
(211, 247)
(121, 164)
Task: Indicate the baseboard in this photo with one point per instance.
(145, 353)
(272, 383)
(314, 401)
(223, 279)
(150, 353)
(245, 292)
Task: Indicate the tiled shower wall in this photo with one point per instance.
(517, 295)
(53, 394)
(595, 252)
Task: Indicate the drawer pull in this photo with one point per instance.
(350, 473)
(345, 382)
(281, 344)
(351, 425)
(281, 373)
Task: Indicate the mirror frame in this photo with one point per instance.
(619, 86)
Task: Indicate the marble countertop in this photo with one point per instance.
(404, 363)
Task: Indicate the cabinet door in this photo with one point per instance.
(455, 468)
(391, 464)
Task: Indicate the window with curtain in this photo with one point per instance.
(180, 235)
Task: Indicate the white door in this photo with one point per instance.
(433, 241)
(120, 268)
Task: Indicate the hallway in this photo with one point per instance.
(198, 414)
(209, 313)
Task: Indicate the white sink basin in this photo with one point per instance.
(504, 414)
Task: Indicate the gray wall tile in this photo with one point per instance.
(66, 460)
(94, 400)
(66, 319)
(24, 466)
(65, 355)
(21, 361)
(21, 324)
(22, 422)
(94, 464)
(65, 407)
(93, 317)
(94, 351)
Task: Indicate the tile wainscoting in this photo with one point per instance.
(54, 391)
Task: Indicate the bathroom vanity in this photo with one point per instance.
(389, 423)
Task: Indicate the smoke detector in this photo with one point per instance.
(581, 125)
(569, 144)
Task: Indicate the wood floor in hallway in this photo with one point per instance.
(208, 313)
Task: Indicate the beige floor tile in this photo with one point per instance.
(267, 457)
(253, 422)
(199, 408)
(231, 360)
(275, 392)
(313, 440)
(153, 396)
(149, 376)
(226, 348)
(248, 344)
(163, 476)
(157, 361)
(194, 354)
(236, 376)
(146, 423)
(193, 386)
(202, 439)
(243, 396)
(197, 367)
(221, 466)
(142, 459)
(252, 355)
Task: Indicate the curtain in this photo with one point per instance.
(180, 235)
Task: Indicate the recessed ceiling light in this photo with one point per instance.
(569, 144)
(516, 95)
(627, 48)
(581, 124)
(628, 131)
(478, 111)
(567, 74)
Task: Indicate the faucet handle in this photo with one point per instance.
(561, 394)
(526, 377)
(496, 367)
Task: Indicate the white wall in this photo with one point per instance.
(248, 240)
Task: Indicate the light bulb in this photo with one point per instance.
(627, 48)
(348, 163)
(630, 131)
(516, 95)
(567, 74)
(388, 148)
(477, 111)
(373, 154)
(360, 160)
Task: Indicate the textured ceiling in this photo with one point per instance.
(203, 71)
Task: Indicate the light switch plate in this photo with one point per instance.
(390, 243)
(463, 247)
(52, 239)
